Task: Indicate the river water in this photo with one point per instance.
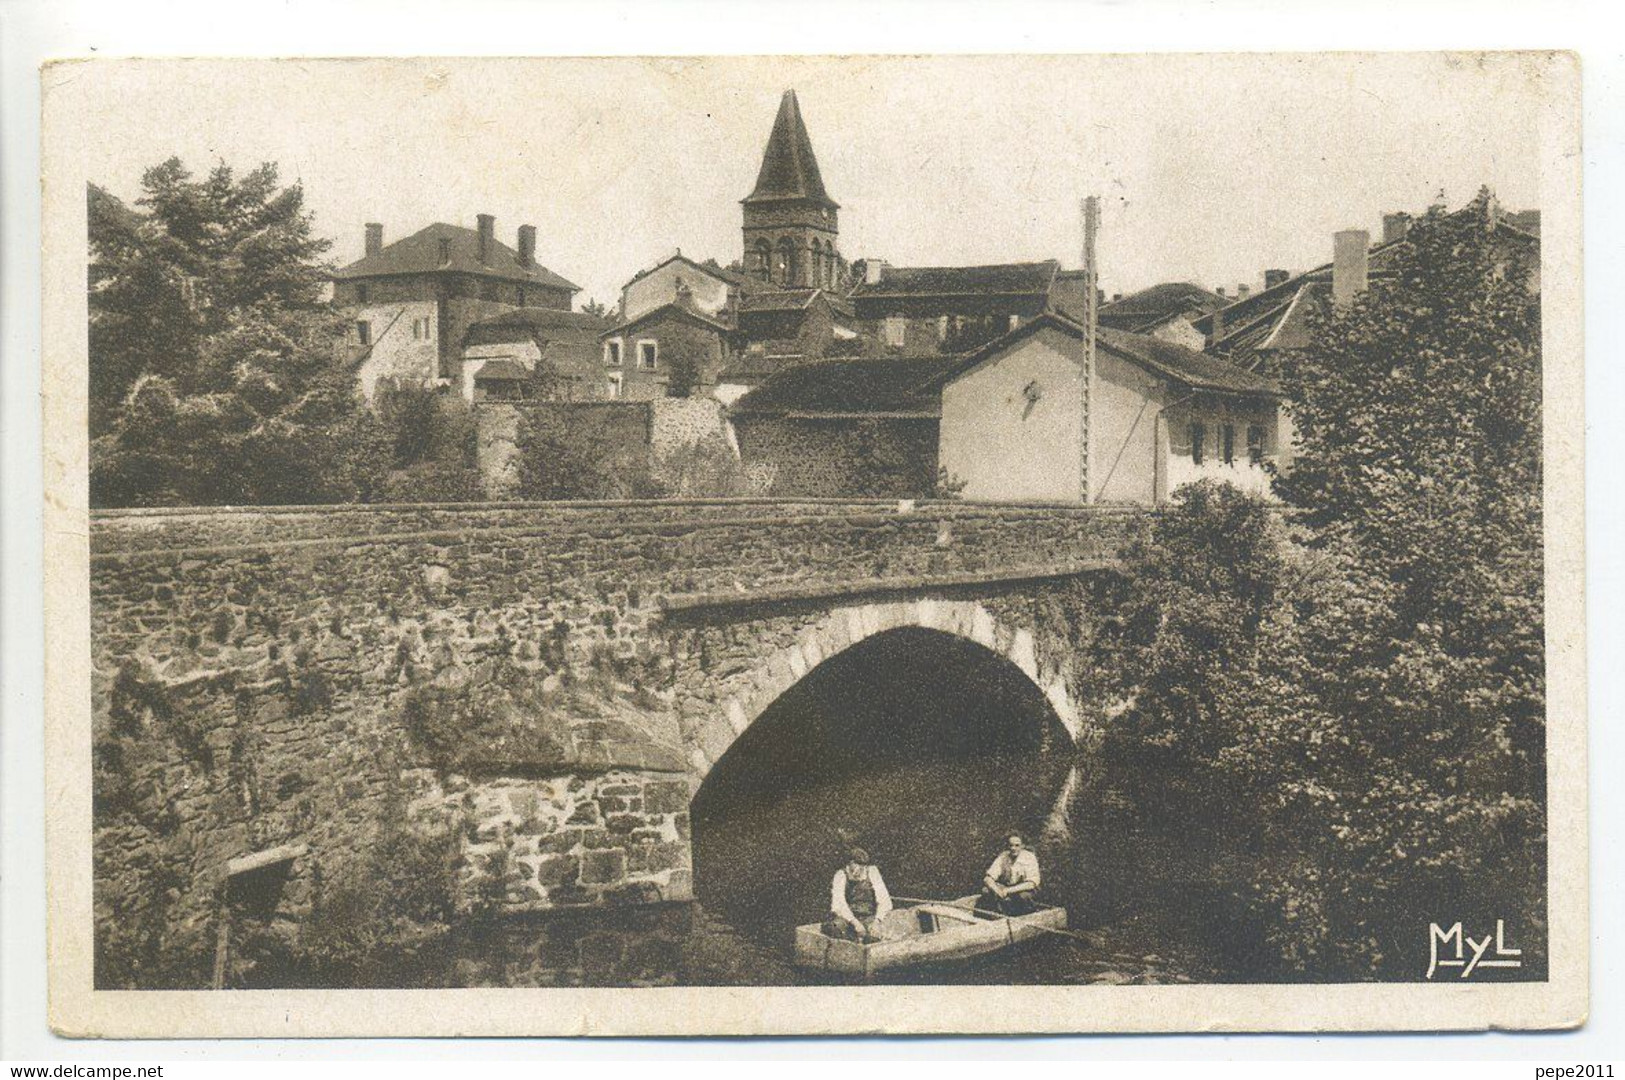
(926, 751)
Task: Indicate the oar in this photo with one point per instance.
(998, 915)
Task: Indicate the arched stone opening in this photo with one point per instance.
(920, 731)
(847, 626)
(785, 271)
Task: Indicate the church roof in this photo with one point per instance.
(789, 169)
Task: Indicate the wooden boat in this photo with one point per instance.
(926, 934)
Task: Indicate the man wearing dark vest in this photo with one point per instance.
(858, 900)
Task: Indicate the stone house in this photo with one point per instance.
(501, 355)
(1164, 311)
(1022, 420)
(781, 329)
(833, 428)
(675, 349)
(942, 310)
(410, 303)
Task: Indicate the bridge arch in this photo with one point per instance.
(846, 626)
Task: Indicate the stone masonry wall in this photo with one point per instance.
(280, 683)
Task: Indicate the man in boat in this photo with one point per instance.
(1010, 885)
(858, 900)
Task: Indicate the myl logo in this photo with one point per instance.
(1453, 948)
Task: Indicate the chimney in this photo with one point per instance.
(1243, 292)
(488, 230)
(1218, 326)
(873, 271)
(445, 251)
(527, 245)
(1116, 296)
(1273, 278)
(1220, 290)
(1349, 265)
(375, 238)
(1395, 226)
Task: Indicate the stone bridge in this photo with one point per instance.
(552, 683)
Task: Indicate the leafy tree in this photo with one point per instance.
(1356, 698)
(213, 373)
(433, 447)
(1419, 414)
(582, 454)
(596, 308)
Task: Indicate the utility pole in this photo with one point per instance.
(1091, 317)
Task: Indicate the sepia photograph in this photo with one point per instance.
(946, 543)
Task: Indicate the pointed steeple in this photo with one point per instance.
(789, 169)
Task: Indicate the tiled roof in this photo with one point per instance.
(535, 324)
(1274, 318)
(789, 169)
(420, 254)
(1003, 279)
(1160, 301)
(851, 387)
(745, 283)
(503, 371)
(670, 308)
(779, 300)
(1196, 370)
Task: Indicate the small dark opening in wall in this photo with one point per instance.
(255, 894)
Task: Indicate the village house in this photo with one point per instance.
(942, 310)
(1166, 311)
(410, 304)
(1025, 418)
(677, 348)
(856, 427)
(1255, 331)
(502, 355)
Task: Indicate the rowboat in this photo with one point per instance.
(927, 934)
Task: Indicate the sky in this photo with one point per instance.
(1210, 168)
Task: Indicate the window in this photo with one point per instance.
(1015, 321)
(1227, 444)
(615, 385)
(612, 353)
(894, 332)
(647, 353)
(488, 291)
(1255, 444)
(942, 328)
(521, 296)
(363, 332)
(1198, 436)
(361, 294)
(445, 251)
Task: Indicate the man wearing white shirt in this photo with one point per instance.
(1011, 881)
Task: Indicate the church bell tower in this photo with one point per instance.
(791, 222)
